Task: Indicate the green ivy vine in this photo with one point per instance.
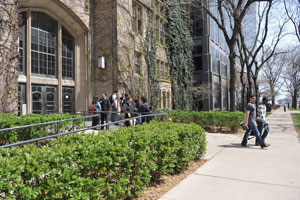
(150, 49)
(179, 46)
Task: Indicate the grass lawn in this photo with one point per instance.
(293, 109)
(296, 118)
(268, 113)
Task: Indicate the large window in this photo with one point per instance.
(217, 92)
(159, 23)
(137, 18)
(22, 35)
(67, 54)
(196, 17)
(198, 62)
(43, 44)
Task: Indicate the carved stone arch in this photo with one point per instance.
(58, 11)
(76, 26)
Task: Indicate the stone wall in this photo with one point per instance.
(104, 44)
(130, 42)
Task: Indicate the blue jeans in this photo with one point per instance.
(139, 121)
(260, 127)
(252, 127)
(113, 115)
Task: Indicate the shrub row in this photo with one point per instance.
(207, 119)
(108, 165)
(12, 120)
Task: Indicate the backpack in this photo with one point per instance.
(92, 108)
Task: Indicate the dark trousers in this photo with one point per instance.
(95, 121)
(113, 114)
(252, 127)
(262, 126)
(104, 117)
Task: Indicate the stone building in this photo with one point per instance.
(73, 50)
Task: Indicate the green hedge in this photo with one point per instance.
(109, 165)
(12, 120)
(207, 119)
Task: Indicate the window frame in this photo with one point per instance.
(137, 18)
(137, 65)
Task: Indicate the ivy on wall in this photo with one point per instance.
(179, 46)
(150, 52)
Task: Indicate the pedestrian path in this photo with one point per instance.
(235, 173)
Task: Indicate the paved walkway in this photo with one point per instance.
(236, 173)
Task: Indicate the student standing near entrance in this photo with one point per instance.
(105, 108)
(251, 123)
(114, 105)
(128, 110)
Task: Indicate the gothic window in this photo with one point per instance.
(137, 18)
(137, 63)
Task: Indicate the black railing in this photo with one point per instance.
(37, 140)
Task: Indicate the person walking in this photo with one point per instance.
(284, 107)
(261, 120)
(251, 123)
(127, 110)
(105, 108)
(114, 105)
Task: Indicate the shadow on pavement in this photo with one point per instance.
(238, 145)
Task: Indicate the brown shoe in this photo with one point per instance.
(266, 145)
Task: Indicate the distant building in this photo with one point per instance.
(211, 62)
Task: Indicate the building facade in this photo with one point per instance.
(211, 63)
(211, 58)
(73, 50)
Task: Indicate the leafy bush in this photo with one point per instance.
(111, 165)
(11, 120)
(207, 119)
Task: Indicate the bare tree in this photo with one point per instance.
(271, 74)
(292, 75)
(8, 56)
(229, 16)
(292, 8)
(253, 54)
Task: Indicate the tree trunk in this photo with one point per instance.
(9, 56)
(250, 82)
(243, 97)
(294, 103)
(232, 87)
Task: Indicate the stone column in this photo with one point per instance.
(28, 64)
(59, 68)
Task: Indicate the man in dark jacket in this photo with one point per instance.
(128, 110)
(105, 104)
(144, 109)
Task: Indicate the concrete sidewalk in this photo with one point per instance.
(238, 173)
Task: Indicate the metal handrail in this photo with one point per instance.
(37, 140)
(65, 120)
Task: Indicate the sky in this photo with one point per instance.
(278, 16)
